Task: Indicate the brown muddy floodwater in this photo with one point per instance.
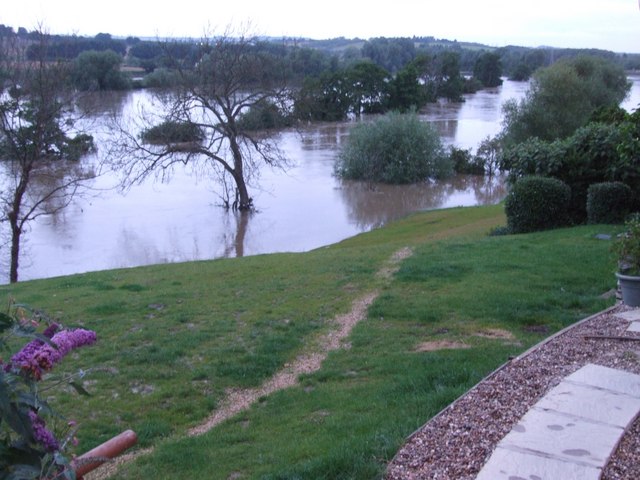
(304, 208)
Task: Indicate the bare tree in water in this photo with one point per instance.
(220, 79)
(39, 169)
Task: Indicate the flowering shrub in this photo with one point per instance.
(28, 448)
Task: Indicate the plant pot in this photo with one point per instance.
(630, 287)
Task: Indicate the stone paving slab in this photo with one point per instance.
(634, 327)
(630, 316)
(583, 401)
(607, 378)
(572, 431)
(552, 434)
(513, 465)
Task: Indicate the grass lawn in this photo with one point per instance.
(174, 338)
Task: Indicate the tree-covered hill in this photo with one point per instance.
(392, 53)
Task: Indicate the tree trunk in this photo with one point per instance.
(15, 223)
(15, 248)
(243, 201)
(242, 222)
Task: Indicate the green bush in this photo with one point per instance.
(627, 169)
(537, 203)
(264, 115)
(589, 156)
(397, 148)
(533, 157)
(78, 146)
(464, 162)
(609, 202)
(172, 132)
(99, 70)
(161, 78)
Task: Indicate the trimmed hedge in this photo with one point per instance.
(609, 202)
(537, 203)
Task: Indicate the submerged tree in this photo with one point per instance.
(488, 69)
(327, 98)
(369, 85)
(229, 75)
(407, 93)
(489, 154)
(95, 70)
(39, 169)
(396, 148)
(451, 82)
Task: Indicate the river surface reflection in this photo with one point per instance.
(304, 208)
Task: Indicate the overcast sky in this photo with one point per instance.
(607, 24)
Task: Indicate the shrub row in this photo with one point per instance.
(596, 153)
(540, 203)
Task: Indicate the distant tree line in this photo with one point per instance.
(70, 47)
(307, 57)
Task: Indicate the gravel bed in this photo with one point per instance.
(456, 443)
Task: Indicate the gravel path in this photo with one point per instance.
(457, 442)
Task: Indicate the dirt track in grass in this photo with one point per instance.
(310, 360)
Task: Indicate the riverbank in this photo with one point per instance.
(174, 340)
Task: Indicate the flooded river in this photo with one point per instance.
(304, 208)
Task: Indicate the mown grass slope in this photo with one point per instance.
(174, 338)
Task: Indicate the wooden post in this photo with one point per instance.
(102, 453)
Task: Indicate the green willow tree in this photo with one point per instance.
(396, 148)
(39, 169)
(563, 97)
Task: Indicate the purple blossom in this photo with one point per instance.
(42, 434)
(51, 330)
(37, 357)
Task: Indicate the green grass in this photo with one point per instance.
(173, 338)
